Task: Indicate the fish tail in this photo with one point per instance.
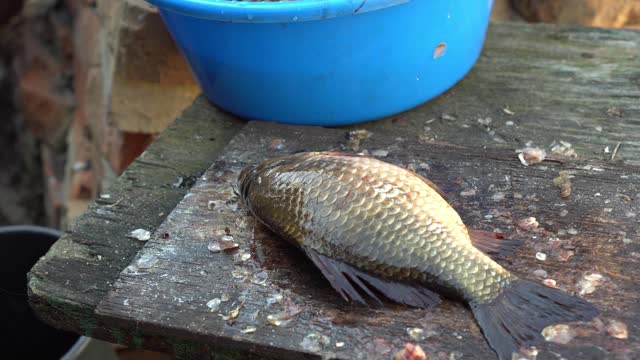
(516, 317)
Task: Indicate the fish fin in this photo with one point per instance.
(410, 295)
(432, 185)
(343, 276)
(516, 318)
(333, 272)
(492, 243)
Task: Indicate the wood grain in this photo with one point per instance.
(67, 283)
(574, 84)
(170, 297)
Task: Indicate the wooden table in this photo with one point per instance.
(576, 90)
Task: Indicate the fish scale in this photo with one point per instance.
(370, 214)
(369, 224)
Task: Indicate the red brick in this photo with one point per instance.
(502, 10)
(86, 39)
(41, 94)
(45, 111)
(600, 13)
(82, 184)
(37, 8)
(76, 5)
(62, 29)
(86, 63)
(79, 157)
(90, 112)
(53, 173)
(124, 147)
(35, 53)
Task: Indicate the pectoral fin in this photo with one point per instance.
(347, 280)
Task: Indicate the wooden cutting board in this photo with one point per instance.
(167, 287)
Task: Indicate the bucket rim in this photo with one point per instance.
(272, 11)
(31, 229)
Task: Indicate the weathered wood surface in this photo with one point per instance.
(573, 84)
(171, 296)
(66, 285)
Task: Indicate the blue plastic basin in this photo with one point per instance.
(326, 62)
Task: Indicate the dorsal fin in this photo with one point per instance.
(432, 185)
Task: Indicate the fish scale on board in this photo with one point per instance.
(372, 226)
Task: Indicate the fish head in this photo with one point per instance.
(251, 174)
(244, 182)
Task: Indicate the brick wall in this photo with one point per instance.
(97, 81)
(598, 13)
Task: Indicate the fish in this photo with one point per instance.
(372, 227)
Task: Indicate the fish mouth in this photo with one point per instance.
(244, 182)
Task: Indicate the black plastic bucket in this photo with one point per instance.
(24, 336)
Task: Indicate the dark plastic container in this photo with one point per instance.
(24, 336)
